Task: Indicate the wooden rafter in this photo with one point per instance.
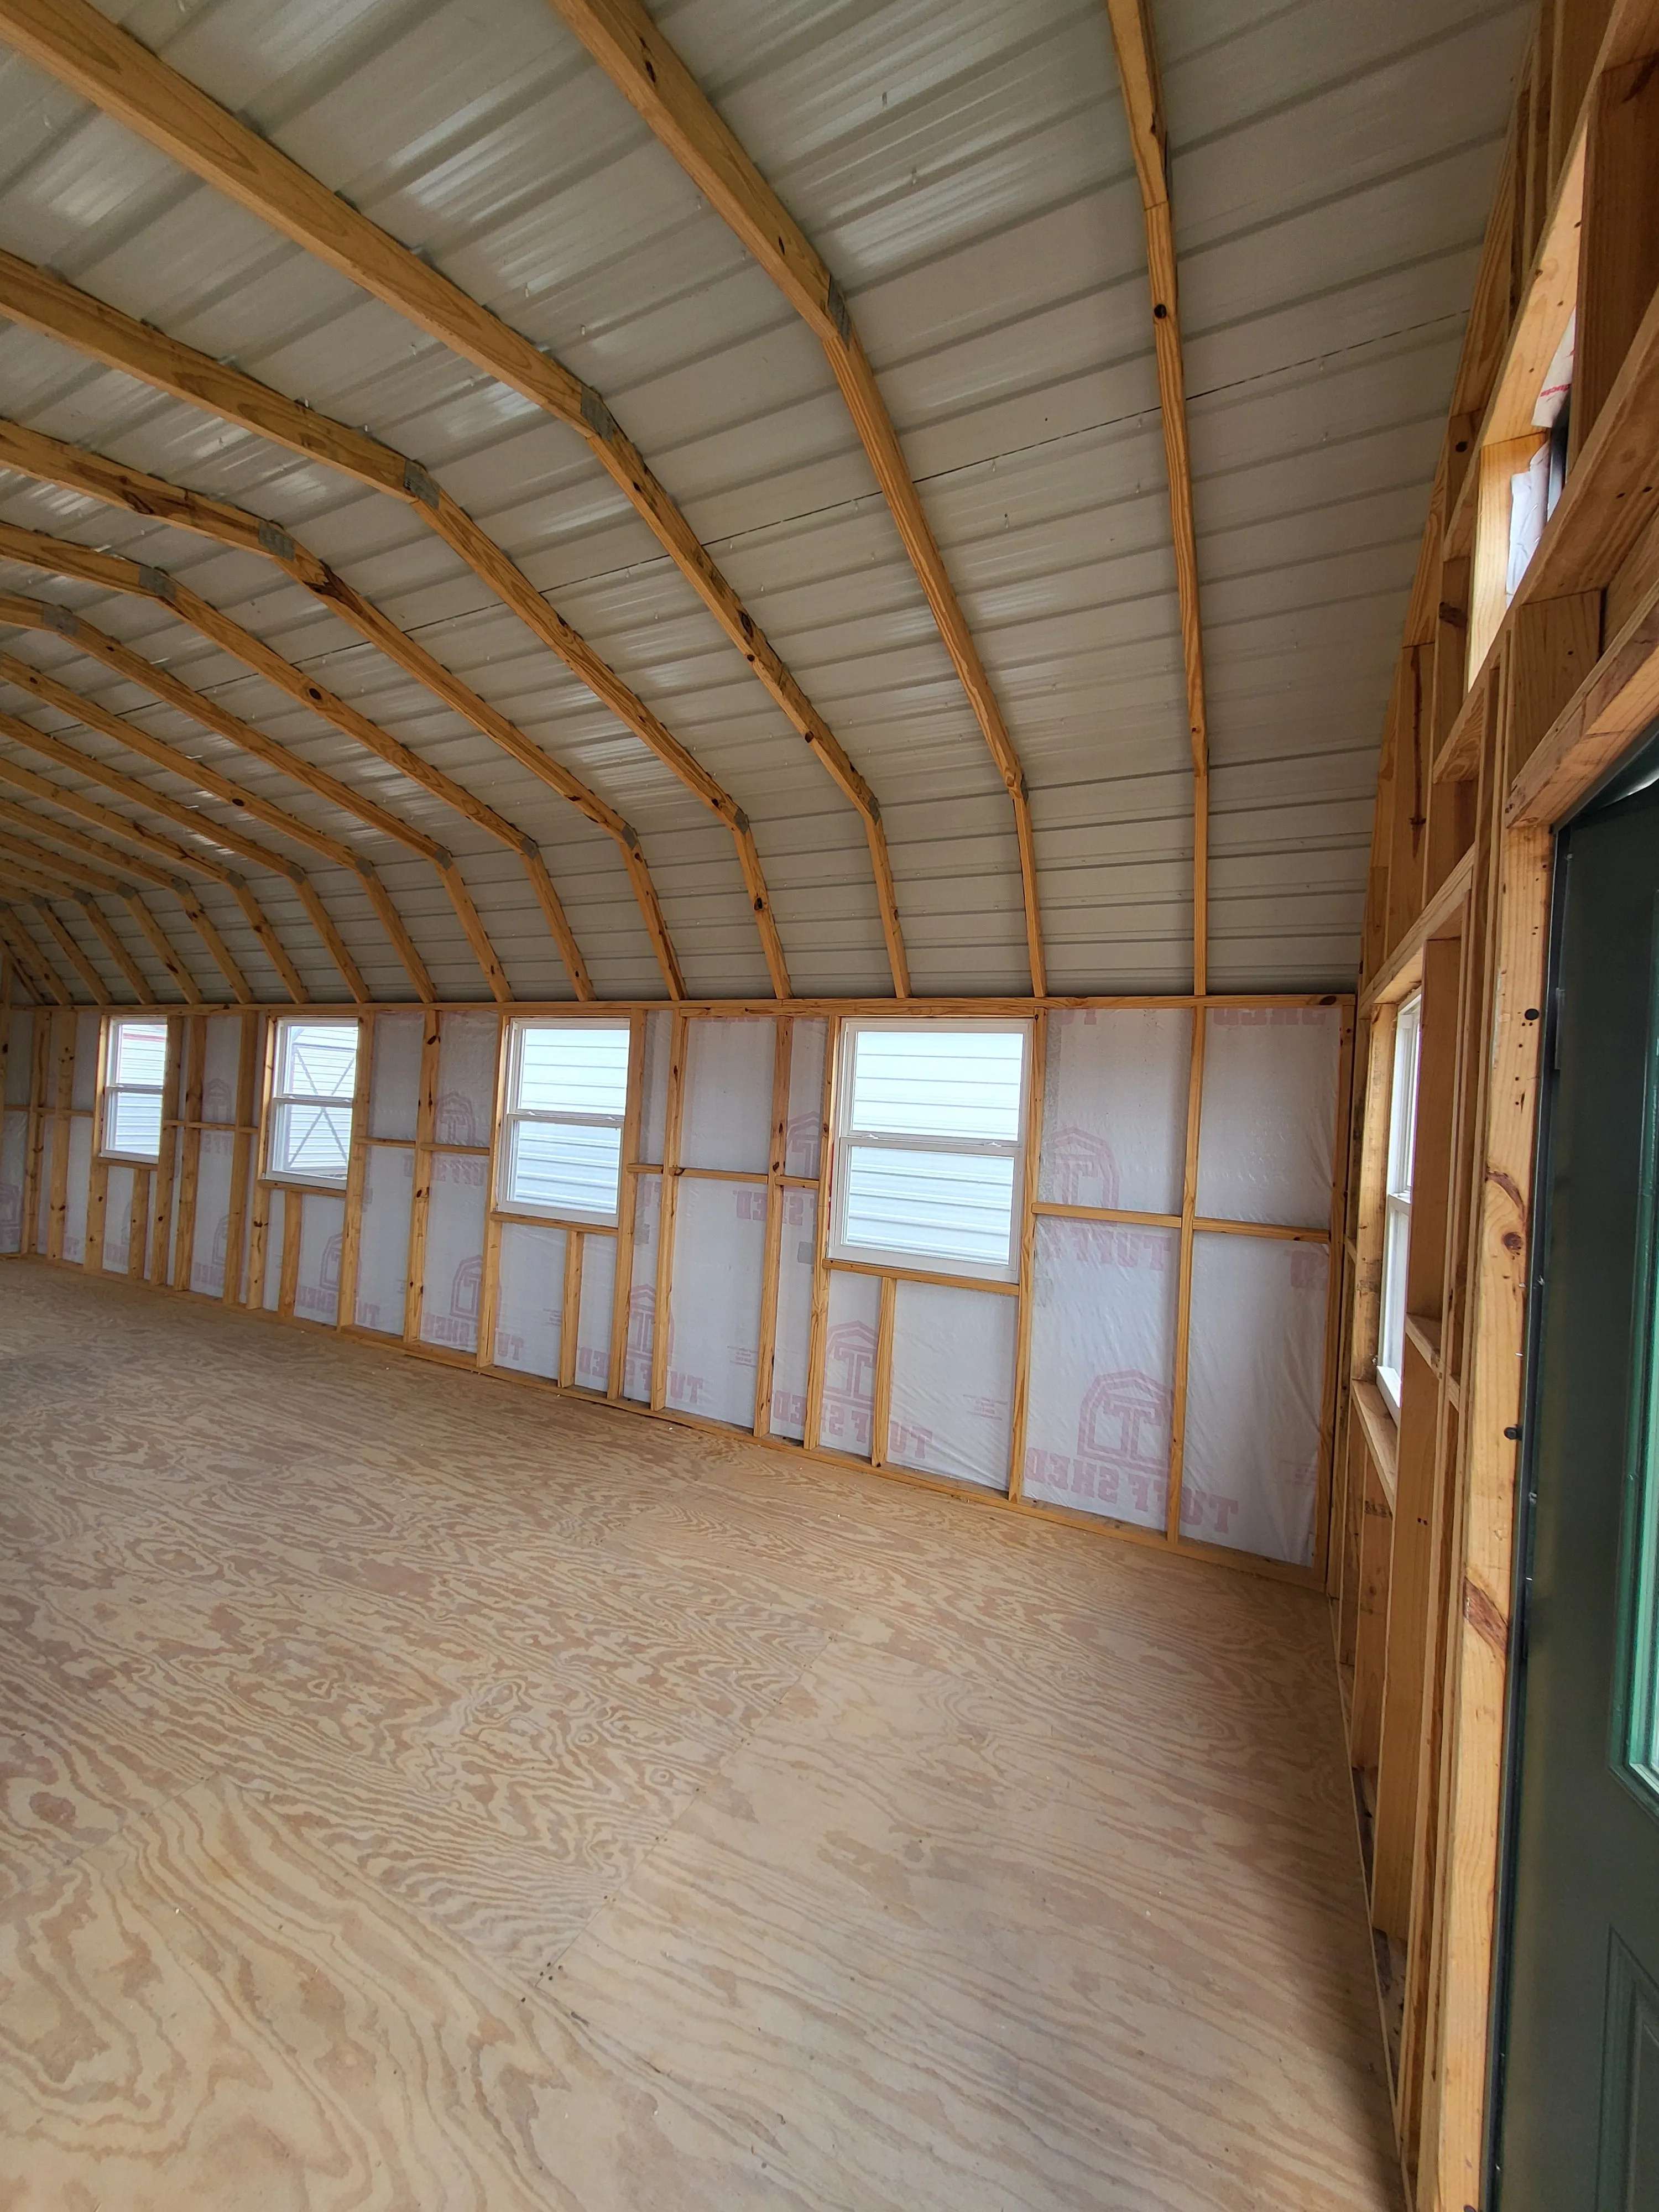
(140, 794)
(139, 740)
(57, 556)
(110, 67)
(31, 963)
(97, 879)
(41, 907)
(638, 59)
(1143, 101)
(31, 452)
(138, 580)
(46, 616)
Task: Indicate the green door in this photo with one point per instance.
(1577, 2076)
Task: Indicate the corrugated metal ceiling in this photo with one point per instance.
(963, 168)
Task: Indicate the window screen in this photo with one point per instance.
(312, 1085)
(135, 1071)
(567, 1092)
(1397, 1200)
(930, 1126)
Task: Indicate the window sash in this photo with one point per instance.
(565, 1179)
(1391, 1319)
(867, 1173)
(119, 1121)
(315, 1121)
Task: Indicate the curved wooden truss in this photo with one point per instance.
(651, 77)
(50, 872)
(114, 573)
(108, 67)
(189, 819)
(31, 453)
(1143, 101)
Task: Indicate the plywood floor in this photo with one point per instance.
(423, 1793)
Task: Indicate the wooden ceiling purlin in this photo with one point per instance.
(645, 69)
(31, 452)
(1143, 103)
(107, 66)
(96, 879)
(141, 795)
(58, 557)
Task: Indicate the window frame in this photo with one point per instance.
(511, 1116)
(1404, 1082)
(843, 1138)
(108, 1090)
(275, 1098)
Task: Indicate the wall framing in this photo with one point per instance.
(173, 1201)
(1506, 713)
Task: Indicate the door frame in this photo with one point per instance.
(1637, 770)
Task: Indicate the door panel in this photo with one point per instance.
(1579, 2080)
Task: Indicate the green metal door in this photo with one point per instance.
(1577, 2079)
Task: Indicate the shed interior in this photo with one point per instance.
(799, 765)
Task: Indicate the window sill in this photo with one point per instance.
(130, 1159)
(532, 1218)
(334, 1186)
(908, 1271)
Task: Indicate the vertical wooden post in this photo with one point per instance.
(242, 1156)
(628, 1187)
(160, 1222)
(288, 1278)
(1479, 1664)
(260, 1227)
(489, 1279)
(98, 1175)
(63, 1103)
(191, 1165)
(39, 1060)
(1334, 1388)
(356, 1174)
(881, 1394)
(570, 1311)
(420, 1206)
(1027, 1230)
(137, 1216)
(1184, 1277)
(777, 1166)
(827, 1164)
(671, 1181)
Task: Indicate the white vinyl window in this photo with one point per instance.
(930, 1130)
(567, 1092)
(135, 1071)
(313, 1080)
(1397, 1200)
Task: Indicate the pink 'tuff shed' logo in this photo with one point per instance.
(849, 1385)
(1081, 1169)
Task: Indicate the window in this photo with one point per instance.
(1397, 1200)
(930, 1139)
(135, 1069)
(566, 1091)
(313, 1082)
